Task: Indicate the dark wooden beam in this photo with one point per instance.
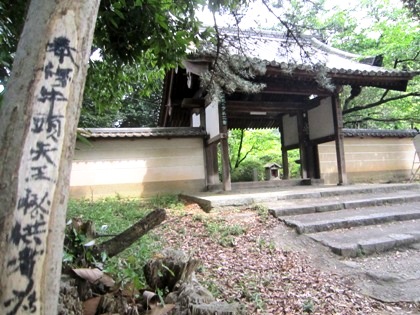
(269, 116)
(192, 102)
(264, 106)
(296, 89)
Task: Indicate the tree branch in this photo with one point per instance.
(364, 119)
(117, 244)
(290, 31)
(384, 95)
(405, 60)
(380, 102)
(238, 155)
(246, 154)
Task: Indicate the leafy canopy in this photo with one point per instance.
(137, 39)
(377, 28)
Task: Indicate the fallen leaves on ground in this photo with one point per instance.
(247, 267)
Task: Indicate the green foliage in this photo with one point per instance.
(223, 233)
(12, 15)
(130, 29)
(213, 287)
(77, 251)
(267, 246)
(112, 216)
(245, 172)
(253, 149)
(308, 306)
(262, 211)
(138, 41)
(229, 73)
(115, 212)
(414, 7)
(131, 111)
(301, 16)
(122, 95)
(249, 287)
(166, 201)
(369, 28)
(261, 145)
(294, 168)
(373, 28)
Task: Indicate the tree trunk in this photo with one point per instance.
(38, 122)
(117, 244)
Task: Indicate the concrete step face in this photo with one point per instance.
(367, 240)
(353, 201)
(280, 196)
(347, 218)
(354, 222)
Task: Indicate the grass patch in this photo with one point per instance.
(223, 233)
(113, 215)
(213, 287)
(167, 201)
(262, 212)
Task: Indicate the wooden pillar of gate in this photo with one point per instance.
(212, 164)
(224, 146)
(227, 184)
(284, 154)
(303, 144)
(339, 139)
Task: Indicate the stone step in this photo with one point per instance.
(367, 240)
(349, 190)
(351, 201)
(284, 195)
(327, 221)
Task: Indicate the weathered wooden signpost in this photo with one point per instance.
(38, 122)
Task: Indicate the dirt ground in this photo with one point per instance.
(391, 277)
(270, 269)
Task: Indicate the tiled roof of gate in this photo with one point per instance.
(381, 133)
(307, 54)
(161, 132)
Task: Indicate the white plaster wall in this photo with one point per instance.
(130, 166)
(196, 120)
(369, 159)
(290, 130)
(212, 119)
(321, 123)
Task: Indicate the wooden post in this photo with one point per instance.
(303, 150)
(284, 155)
(227, 185)
(285, 161)
(38, 124)
(224, 145)
(212, 164)
(339, 140)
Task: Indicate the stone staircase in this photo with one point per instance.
(355, 221)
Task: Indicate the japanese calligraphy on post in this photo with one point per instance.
(39, 164)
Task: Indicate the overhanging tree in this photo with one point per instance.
(378, 28)
(39, 115)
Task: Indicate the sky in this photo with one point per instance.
(259, 16)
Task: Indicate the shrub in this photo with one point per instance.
(245, 171)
